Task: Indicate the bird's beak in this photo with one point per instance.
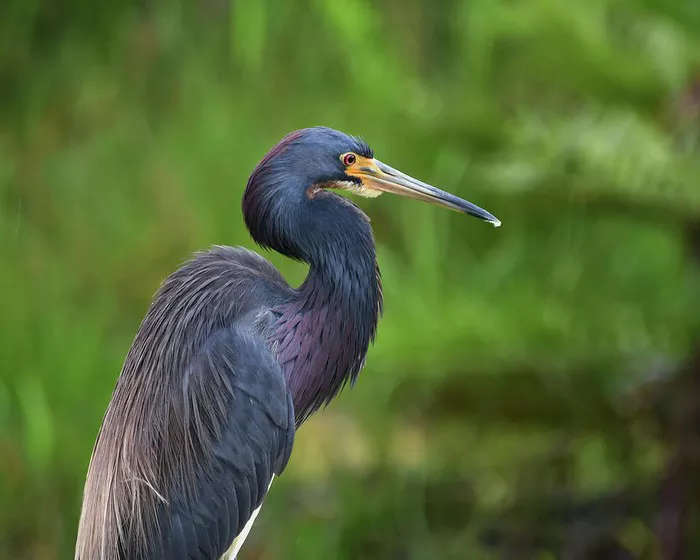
(379, 177)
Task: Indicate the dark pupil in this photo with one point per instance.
(349, 159)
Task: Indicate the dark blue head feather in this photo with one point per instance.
(278, 200)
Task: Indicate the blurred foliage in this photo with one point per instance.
(534, 390)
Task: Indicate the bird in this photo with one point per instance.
(230, 360)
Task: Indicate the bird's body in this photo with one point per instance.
(229, 361)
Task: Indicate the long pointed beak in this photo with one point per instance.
(378, 176)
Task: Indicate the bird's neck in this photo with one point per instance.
(324, 333)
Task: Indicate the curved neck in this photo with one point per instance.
(324, 332)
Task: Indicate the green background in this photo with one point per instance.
(534, 390)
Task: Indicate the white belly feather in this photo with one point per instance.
(237, 543)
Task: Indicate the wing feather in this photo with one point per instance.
(254, 444)
(199, 422)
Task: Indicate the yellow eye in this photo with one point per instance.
(349, 159)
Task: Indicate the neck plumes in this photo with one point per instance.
(324, 333)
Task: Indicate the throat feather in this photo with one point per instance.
(322, 337)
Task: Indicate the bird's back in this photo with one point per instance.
(199, 421)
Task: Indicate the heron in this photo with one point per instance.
(230, 360)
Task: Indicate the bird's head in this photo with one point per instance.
(306, 163)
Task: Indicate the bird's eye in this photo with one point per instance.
(349, 159)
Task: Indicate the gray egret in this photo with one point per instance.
(230, 359)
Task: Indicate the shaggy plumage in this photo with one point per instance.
(229, 360)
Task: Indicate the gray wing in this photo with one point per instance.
(253, 442)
